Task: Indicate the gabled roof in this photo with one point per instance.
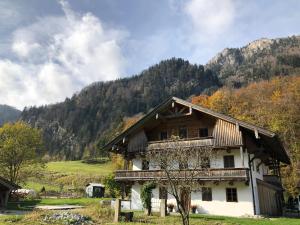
(169, 101)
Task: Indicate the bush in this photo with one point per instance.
(112, 188)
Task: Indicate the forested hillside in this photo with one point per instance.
(8, 114)
(77, 123)
(273, 104)
(88, 119)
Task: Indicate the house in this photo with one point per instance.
(244, 177)
(95, 190)
(5, 188)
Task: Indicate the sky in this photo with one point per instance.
(51, 49)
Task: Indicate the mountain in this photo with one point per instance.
(91, 117)
(259, 60)
(8, 114)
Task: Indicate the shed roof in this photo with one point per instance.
(6, 183)
(95, 184)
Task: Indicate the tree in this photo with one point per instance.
(146, 193)
(181, 164)
(20, 151)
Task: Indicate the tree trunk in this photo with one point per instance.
(185, 219)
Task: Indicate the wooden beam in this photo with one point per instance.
(256, 134)
(237, 126)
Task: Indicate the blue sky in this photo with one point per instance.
(50, 49)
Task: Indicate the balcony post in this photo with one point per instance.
(242, 156)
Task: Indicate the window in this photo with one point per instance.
(206, 194)
(203, 132)
(163, 194)
(231, 195)
(228, 161)
(163, 135)
(145, 165)
(205, 162)
(183, 132)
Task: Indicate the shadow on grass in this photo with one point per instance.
(23, 205)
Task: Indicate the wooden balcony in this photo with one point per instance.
(235, 174)
(183, 143)
(140, 144)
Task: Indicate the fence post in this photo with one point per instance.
(117, 210)
(162, 207)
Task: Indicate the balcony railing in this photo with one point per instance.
(241, 174)
(183, 143)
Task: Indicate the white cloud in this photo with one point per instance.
(210, 18)
(57, 56)
(24, 49)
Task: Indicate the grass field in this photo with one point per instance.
(63, 175)
(78, 167)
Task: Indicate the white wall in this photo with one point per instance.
(216, 160)
(218, 205)
(136, 202)
(136, 164)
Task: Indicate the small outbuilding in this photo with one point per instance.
(5, 188)
(95, 190)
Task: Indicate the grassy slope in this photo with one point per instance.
(65, 171)
(75, 167)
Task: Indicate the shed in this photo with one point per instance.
(5, 188)
(95, 190)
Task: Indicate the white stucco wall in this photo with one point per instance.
(218, 205)
(216, 160)
(136, 164)
(136, 202)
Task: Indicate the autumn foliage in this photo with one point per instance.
(273, 104)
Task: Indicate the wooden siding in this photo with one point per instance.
(193, 123)
(269, 199)
(226, 134)
(137, 142)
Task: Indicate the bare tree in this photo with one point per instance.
(182, 163)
